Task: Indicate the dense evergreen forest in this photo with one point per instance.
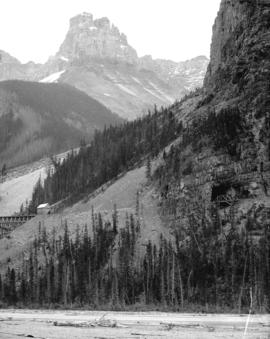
(204, 264)
(98, 267)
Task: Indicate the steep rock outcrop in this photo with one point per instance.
(95, 39)
(240, 46)
(224, 151)
(239, 69)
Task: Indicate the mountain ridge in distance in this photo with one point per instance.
(97, 59)
(39, 119)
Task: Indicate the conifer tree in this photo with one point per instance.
(148, 168)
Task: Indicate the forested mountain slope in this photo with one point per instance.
(210, 181)
(39, 119)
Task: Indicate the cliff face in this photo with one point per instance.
(229, 17)
(225, 152)
(96, 38)
(239, 69)
(240, 48)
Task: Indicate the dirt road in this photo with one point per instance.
(146, 325)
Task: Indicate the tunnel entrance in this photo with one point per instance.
(224, 193)
(219, 190)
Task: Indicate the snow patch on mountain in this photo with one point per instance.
(53, 77)
(167, 97)
(152, 93)
(125, 89)
(64, 58)
(136, 80)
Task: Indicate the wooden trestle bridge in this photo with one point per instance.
(9, 223)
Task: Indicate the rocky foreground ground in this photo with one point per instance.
(144, 325)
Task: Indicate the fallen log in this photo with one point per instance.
(73, 324)
(102, 322)
(169, 326)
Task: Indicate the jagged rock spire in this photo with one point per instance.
(96, 39)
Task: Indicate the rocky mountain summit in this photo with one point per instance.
(89, 38)
(97, 59)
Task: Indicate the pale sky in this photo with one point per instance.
(167, 29)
